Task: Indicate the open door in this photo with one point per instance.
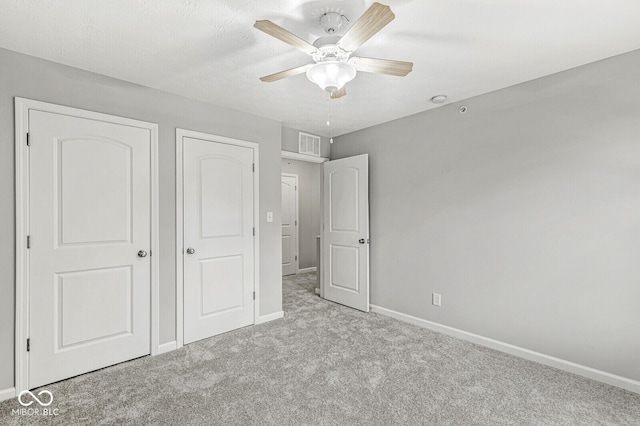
(345, 235)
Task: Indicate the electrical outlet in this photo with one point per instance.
(436, 299)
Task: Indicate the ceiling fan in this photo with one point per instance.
(334, 66)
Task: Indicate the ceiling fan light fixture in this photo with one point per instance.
(331, 75)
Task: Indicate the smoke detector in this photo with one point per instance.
(439, 99)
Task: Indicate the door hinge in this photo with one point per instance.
(254, 295)
(296, 187)
(253, 167)
(296, 258)
(28, 139)
(254, 231)
(28, 345)
(296, 223)
(28, 241)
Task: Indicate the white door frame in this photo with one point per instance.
(311, 159)
(22, 107)
(180, 135)
(297, 219)
(302, 157)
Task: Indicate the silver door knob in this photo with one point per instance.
(191, 250)
(142, 253)
(361, 241)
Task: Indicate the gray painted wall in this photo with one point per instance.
(308, 207)
(290, 142)
(33, 78)
(524, 214)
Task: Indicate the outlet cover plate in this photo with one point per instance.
(436, 299)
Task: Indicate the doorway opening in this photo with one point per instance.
(301, 215)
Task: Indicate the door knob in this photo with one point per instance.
(142, 253)
(361, 240)
(191, 250)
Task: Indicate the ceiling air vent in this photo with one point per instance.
(309, 144)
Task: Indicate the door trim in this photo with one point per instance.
(22, 107)
(180, 135)
(303, 157)
(297, 221)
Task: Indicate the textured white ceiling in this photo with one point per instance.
(209, 50)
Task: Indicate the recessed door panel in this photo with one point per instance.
(287, 195)
(343, 206)
(218, 254)
(97, 169)
(90, 214)
(344, 267)
(220, 196)
(287, 253)
(104, 295)
(222, 285)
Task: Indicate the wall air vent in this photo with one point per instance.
(309, 144)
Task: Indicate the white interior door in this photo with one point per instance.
(90, 232)
(345, 235)
(289, 224)
(218, 234)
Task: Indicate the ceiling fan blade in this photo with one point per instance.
(382, 66)
(284, 74)
(372, 21)
(339, 93)
(280, 33)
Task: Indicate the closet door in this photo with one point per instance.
(218, 231)
(90, 235)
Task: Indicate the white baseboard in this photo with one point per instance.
(167, 347)
(7, 394)
(312, 269)
(270, 317)
(561, 364)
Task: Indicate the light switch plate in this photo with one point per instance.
(269, 216)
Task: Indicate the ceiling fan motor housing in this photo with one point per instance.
(329, 51)
(331, 22)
